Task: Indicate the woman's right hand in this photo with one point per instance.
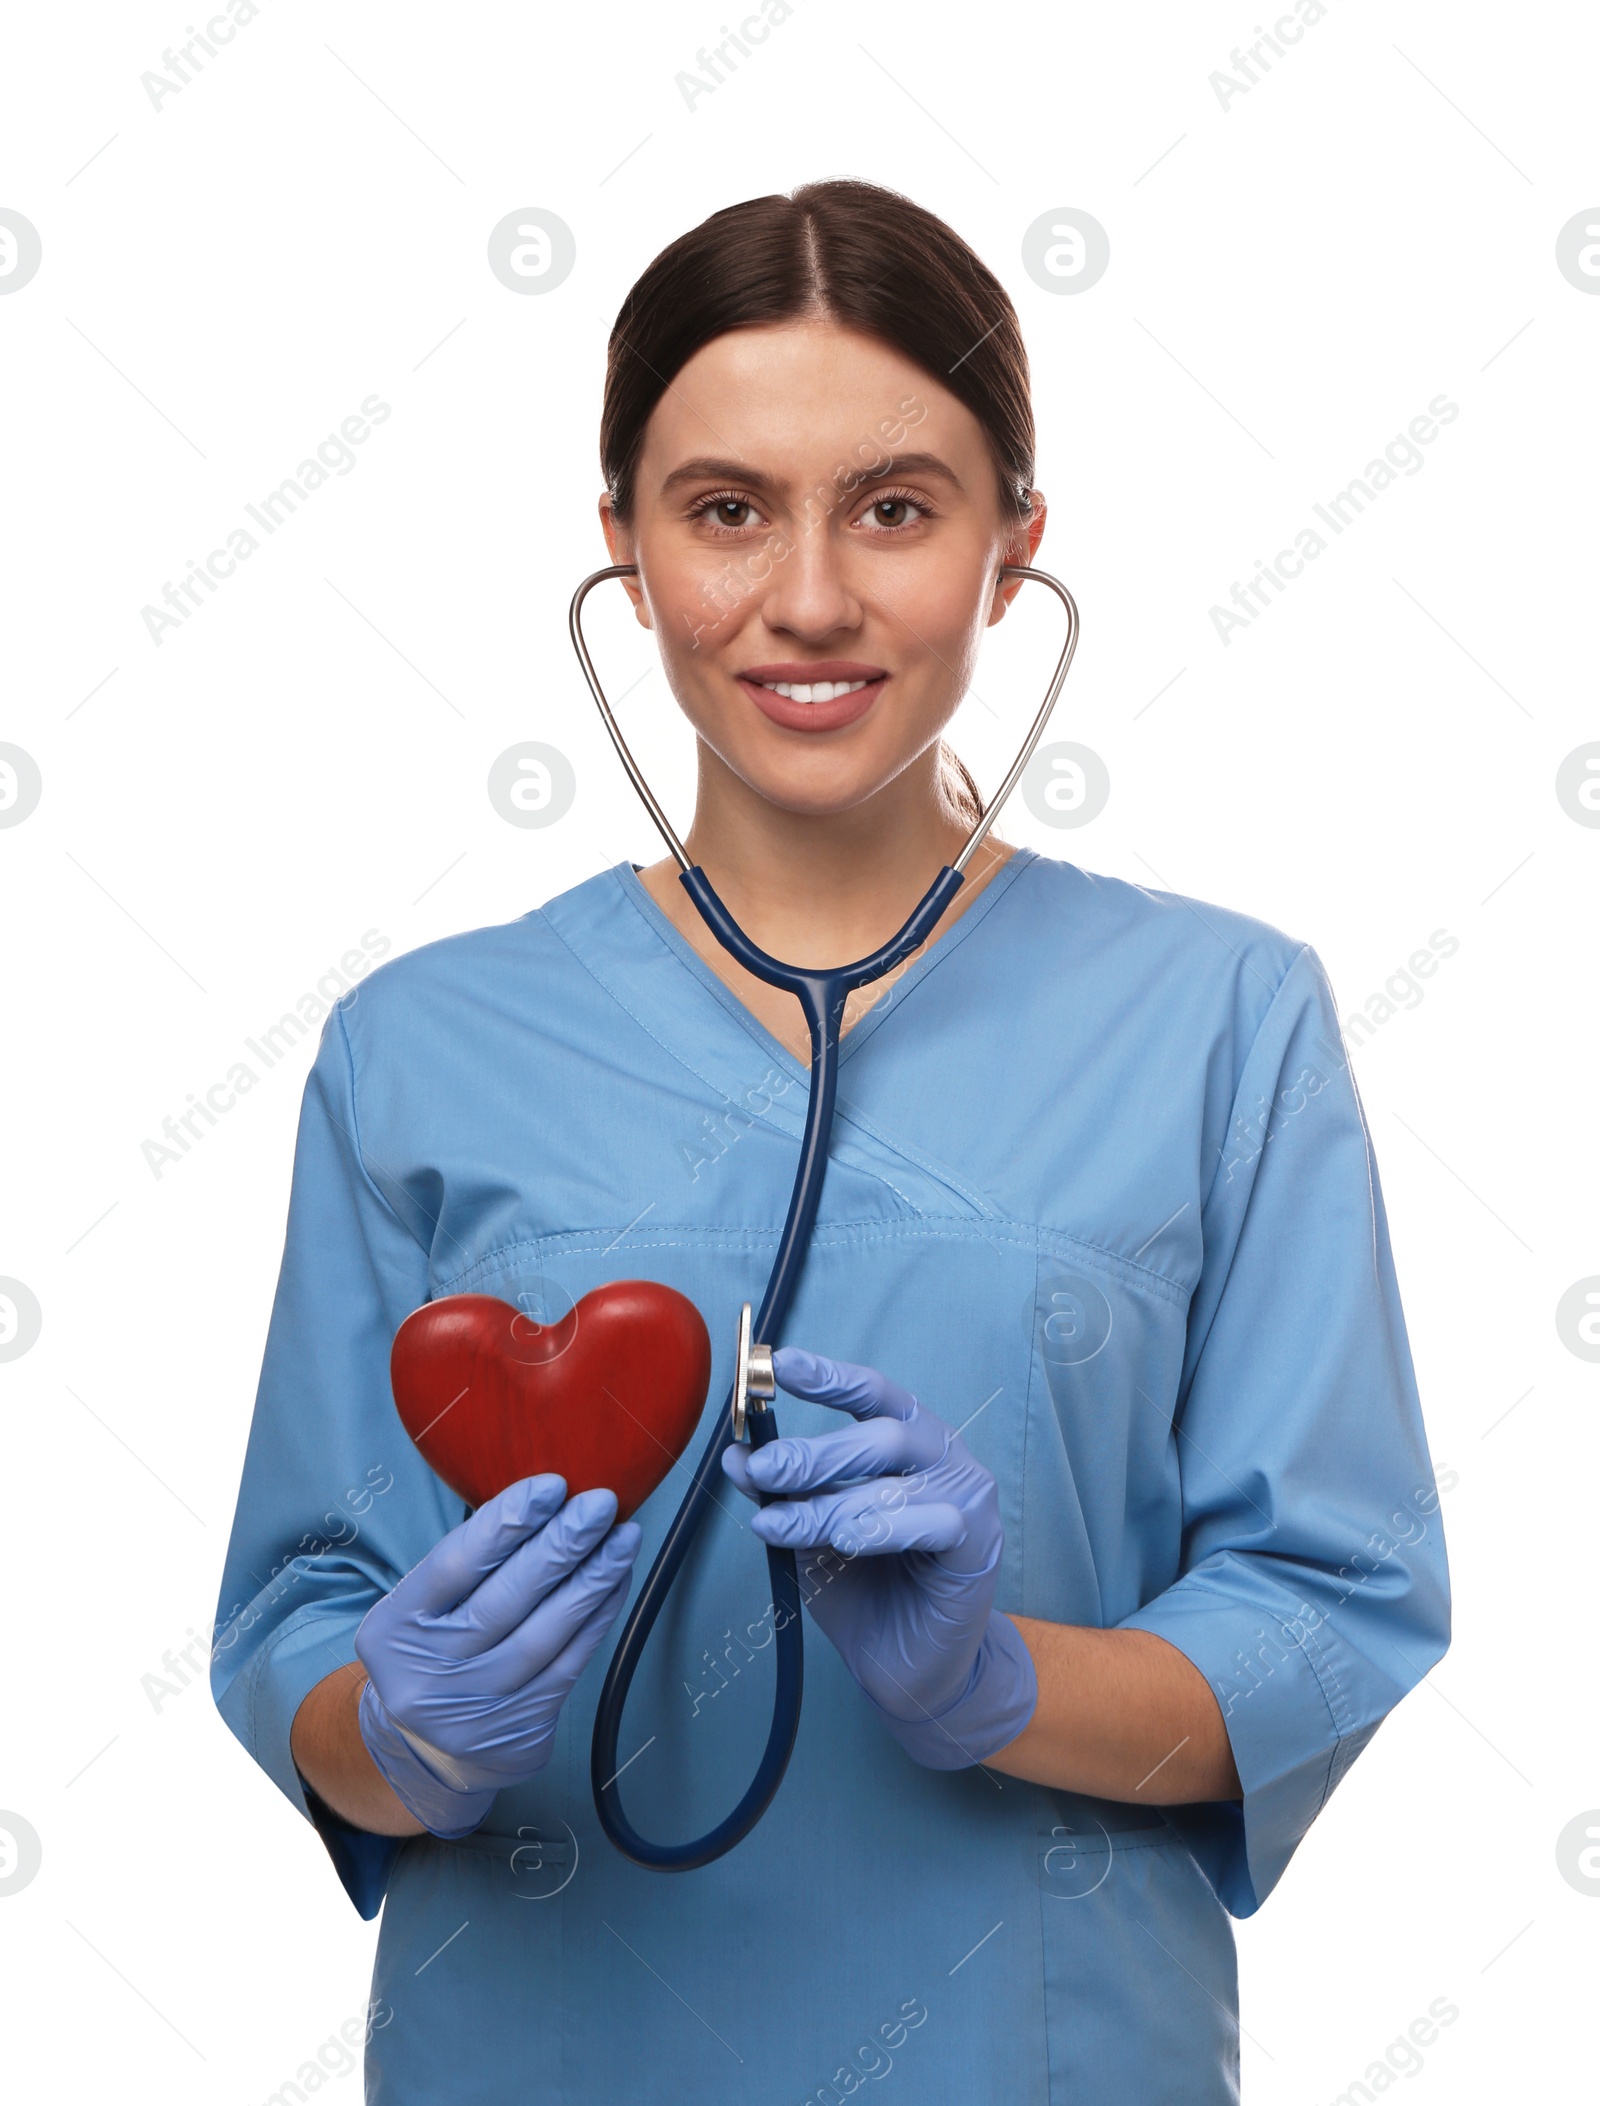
(471, 1656)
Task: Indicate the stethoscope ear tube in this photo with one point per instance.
(822, 994)
(991, 811)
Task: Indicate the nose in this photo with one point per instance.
(809, 595)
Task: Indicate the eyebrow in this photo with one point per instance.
(706, 468)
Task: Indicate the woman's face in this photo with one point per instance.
(813, 512)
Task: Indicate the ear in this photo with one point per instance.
(619, 545)
(1021, 549)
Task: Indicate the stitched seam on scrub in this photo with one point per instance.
(1342, 1726)
(671, 1051)
(844, 1113)
(1017, 866)
(584, 1242)
(1141, 1839)
(1194, 1583)
(717, 1237)
(1322, 1673)
(1266, 1018)
(978, 1200)
(1022, 1581)
(992, 897)
(744, 1241)
(904, 1197)
(832, 1235)
(256, 1672)
(1027, 1417)
(716, 988)
(1172, 1290)
(719, 990)
(940, 1173)
(841, 1111)
(354, 1138)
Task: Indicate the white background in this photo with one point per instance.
(1292, 280)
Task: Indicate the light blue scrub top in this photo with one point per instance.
(1100, 1191)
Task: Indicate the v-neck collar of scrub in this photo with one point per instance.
(633, 890)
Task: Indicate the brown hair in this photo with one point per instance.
(850, 252)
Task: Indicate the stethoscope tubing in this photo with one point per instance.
(822, 994)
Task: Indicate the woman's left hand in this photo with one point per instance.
(916, 1519)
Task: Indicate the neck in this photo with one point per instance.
(828, 887)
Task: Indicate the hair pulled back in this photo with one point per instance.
(849, 252)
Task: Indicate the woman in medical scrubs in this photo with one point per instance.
(1102, 1453)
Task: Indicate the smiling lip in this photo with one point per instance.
(759, 683)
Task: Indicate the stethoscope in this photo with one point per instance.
(748, 1414)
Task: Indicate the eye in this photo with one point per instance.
(726, 511)
(892, 511)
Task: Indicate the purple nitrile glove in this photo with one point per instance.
(471, 1656)
(899, 1496)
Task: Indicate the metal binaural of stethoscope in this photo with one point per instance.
(748, 1413)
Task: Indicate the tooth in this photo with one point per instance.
(813, 691)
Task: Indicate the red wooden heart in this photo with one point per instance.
(609, 1396)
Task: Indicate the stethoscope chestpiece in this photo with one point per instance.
(753, 1379)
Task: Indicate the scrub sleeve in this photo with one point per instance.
(334, 1453)
(1294, 1601)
